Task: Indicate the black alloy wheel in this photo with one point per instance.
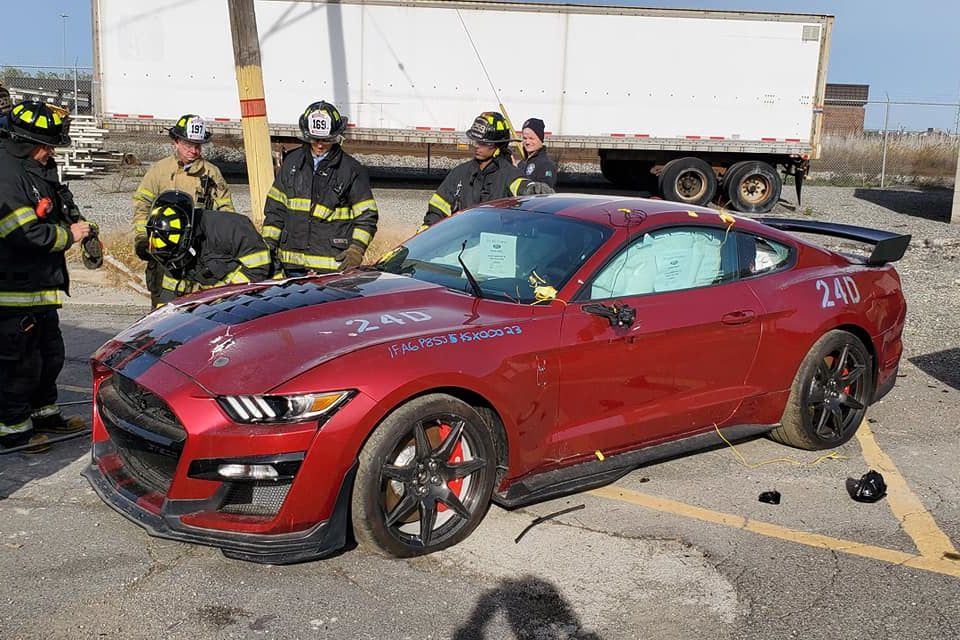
(425, 478)
(830, 394)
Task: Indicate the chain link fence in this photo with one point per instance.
(856, 155)
(68, 87)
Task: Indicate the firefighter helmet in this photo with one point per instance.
(170, 228)
(490, 128)
(321, 121)
(40, 123)
(192, 128)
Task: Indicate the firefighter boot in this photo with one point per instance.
(37, 442)
(50, 420)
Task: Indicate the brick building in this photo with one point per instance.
(843, 109)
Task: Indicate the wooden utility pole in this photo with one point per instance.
(253, 106)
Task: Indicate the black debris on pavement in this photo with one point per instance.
(544, 519)
(869, 488)
(770, 497)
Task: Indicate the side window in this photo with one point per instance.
(669, 260)
(760, 255)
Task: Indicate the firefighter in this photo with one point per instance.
(320, 215)
(5, 106)
(490, 175)
(536, 163)
(202, 248)
(185, 170)
(34, 234)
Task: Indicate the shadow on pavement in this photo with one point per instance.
(533, 608)
(18, 469)
(930, 204)
(942, 365)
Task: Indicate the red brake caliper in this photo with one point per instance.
(456, 457)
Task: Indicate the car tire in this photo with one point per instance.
(429, 466)
(752, 187)
(830, 394)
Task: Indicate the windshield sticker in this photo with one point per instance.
(363, 325)
(497, 255)
(429, 342)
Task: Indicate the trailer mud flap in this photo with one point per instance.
(798, 178)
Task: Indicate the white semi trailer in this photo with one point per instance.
(697, 105)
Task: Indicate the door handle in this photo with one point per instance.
(739, 317)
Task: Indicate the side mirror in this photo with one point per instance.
(619, 315)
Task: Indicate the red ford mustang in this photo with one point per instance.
(518, 351)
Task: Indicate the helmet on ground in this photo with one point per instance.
(40, 123)
(321, 121)
(192, 128)
(490, 128)
(170, 228)
(5, 102)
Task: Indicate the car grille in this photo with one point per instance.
(147, 435)
(258, 499)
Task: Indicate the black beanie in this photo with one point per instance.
(535, 125)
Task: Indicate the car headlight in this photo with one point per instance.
(283, 408)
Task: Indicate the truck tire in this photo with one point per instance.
(688, 180)
(752, 187)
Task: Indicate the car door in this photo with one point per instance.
(682, 363)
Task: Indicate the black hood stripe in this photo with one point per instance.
(250, 305)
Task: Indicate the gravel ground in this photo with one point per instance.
(930, 270)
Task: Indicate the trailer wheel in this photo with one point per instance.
(688, 180)
(752, 186)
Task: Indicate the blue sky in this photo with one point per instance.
(910, 51)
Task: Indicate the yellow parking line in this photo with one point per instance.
(914, 519)
(926, 563)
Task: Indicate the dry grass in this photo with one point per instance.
(119, 244)
(385, 240)
(910, 159)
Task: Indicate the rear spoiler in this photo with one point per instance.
(888, 247)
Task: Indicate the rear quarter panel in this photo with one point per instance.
(822, 292)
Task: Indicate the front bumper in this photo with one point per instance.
(162, 517)
(157, 442)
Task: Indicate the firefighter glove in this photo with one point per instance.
(142, 248)
(535, 188)
(350, 257)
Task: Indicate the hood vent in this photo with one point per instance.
(250, 305)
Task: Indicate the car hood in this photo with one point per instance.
(253, 338)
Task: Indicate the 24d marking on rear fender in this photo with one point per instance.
(844, 290)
